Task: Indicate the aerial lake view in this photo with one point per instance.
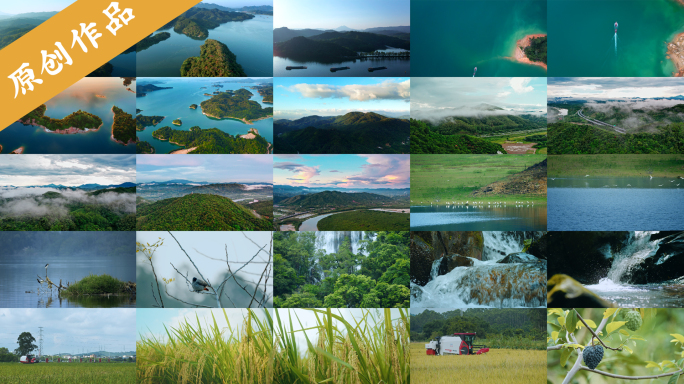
(615, 203)
(175, 104)
(587, 42)
(460, 218)
(250, 41)
(357, 67)
(93, 95)
(451, 38)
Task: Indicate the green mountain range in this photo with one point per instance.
(198, 212)
(336, 199)
(354, 132)
(486, 124)
(425, 141)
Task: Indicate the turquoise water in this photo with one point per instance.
(175, 104)
(582, 38)
(79, 96)
(250, 40)
(450, 38)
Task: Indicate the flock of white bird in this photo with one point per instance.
(482, 204)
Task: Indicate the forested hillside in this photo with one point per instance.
(307, 277)
(425, 140)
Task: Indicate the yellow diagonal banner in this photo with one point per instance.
(71, 44)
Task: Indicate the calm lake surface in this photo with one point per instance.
(250, 40)
(19, 275)
(124, 65)
(175, 104)
(358, 68)
(79, 96)
(441, 218)
(462, 35)
(615, 204)
(583, 37)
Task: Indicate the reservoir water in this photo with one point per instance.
(250, 40)
(583, 37)
(615, 204)
(357, 67)
(18, 275)
(123, 65)
(81, 95)
(175, 104)
(441, 218)
(450, 38)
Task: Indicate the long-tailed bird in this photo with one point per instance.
(199, 284)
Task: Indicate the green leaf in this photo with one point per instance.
(612, 327)
(554, 335)
(565, 354)
(557, 311)
(589, 322)
(637, 338)
(622, 331)
(652, 364)
(677, 336)
(609, 312)
(561, 321)
(573, 346)
(571, 321)
(673, 379)
(626, 348)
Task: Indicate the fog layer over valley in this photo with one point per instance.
(37, 202)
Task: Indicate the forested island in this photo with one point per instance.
(198, 212)
(123, 127)
(236, 105)
(177, 122)
(193, 106)
(145, 121)
(425, 140)
(266, 92)
(354, 132)
(79, 121)
(378, 278)
(215, 60)
(332, 45)
(142, 89)
(573, 138)
(151, 40)
(531, 50)
(212, 140)
(143, 147)
(196, 22)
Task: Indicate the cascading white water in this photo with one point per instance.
(499, 244)
(331, 241)
(633, 254)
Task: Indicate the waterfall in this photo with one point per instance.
(638, 249)
(499, 244)
(331, 241)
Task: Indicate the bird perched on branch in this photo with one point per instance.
(199, 285)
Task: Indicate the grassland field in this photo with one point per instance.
(614, 165)
(501, 366)
(67, 373)
(365, 220)
(503, 139)
(456, 177)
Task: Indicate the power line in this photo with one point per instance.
(40, 351)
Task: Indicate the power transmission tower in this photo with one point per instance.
(40, 342)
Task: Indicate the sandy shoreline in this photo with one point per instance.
(250, 122)
(675, 52)
(182, 151)
(17, 151)
(519, 54)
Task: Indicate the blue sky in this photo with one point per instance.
(342, 171)
(299, 97)
(439, 97)
(210, 168)
(69, 170)
(614, 87)
(71, 330)
(331, 14)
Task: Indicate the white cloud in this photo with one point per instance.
(520, 84)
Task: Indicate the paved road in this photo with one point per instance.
(597, 122)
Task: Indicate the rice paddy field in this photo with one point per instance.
(501, 366)
(195, 353)
(67, 373)
(365, 349)
(455, 177)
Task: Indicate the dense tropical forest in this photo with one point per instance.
(215, 60)
(536, 51)
(568, 138)
(307, 277)
(354, 132)
(486, 125)
(124, 127)
(145, 121)
(487, 323)
(266, 92)
(198, 212)
(151, 40)
(100, 210)
(211, 140)
(235, 105)
(79, 119)
(426, 140)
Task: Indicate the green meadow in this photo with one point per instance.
(615, 165)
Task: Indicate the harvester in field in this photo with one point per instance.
(457, 344)
(28, 359)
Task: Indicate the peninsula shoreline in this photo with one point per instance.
(519, 50)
